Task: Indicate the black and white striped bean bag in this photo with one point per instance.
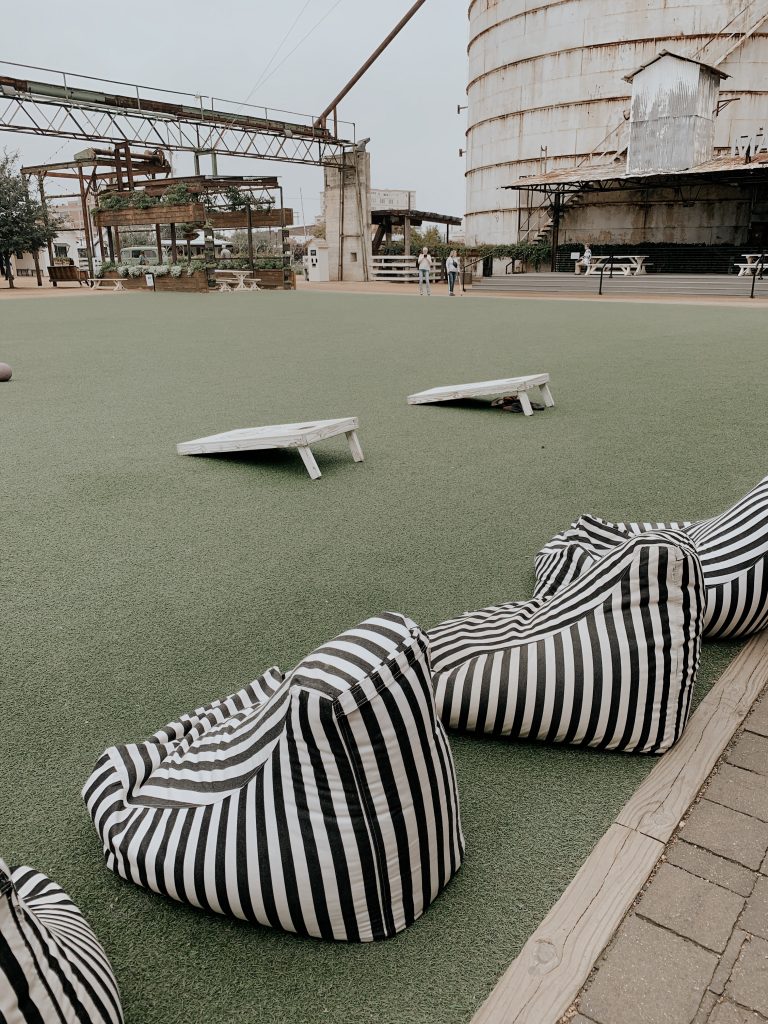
(52, 967)
(608, 662)
(323, 802)
(733, 548)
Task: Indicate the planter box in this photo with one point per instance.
(163, 213)
(198, 282)
(273, 278)
(259, 218)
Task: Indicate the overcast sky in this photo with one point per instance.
(406, 103)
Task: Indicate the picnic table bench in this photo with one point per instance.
(109, 283)
(753, 265)
(628, 265)
(228, 278)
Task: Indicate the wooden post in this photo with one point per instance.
(118, 246)
(110, 244)
(174, 252)
(249, 218)
(407, 235)
(283, 242)
(43, 203)
(129, 166)
(555, 230)
(159, 244)
(86, 223)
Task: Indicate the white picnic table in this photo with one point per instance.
(753, 264)
(279, 435)
(626, 264)
(225, 286)
(110, 283)
(505, 387)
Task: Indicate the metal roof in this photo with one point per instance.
(570, 179)
(669, 53)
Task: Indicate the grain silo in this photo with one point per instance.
(548, 91)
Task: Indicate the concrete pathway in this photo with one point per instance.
(694, 948)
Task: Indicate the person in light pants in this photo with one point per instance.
(424, 263)
(452, 270)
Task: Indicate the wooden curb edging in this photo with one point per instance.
(543, 981)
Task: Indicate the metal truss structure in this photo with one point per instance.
(62, 108)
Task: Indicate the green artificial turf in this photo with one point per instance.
(137, 584)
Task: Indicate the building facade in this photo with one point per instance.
(547, 90)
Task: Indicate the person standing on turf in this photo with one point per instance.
(452, 270)
(424, 263)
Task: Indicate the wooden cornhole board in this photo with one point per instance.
(507, 387)
(280, 435)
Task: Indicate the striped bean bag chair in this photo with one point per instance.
(733, 548)
(323, 802)
(608, 662)
(52, 968)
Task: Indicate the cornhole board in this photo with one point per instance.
(280, 435)
(507, 387)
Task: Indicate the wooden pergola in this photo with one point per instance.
(386, 220)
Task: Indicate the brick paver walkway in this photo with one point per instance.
(694, 948)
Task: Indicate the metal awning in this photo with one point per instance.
(609, 177)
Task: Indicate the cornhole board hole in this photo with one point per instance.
(507, 387)
(280, 435)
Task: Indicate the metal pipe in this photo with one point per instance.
(320, 121)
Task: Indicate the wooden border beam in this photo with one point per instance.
(543, 981)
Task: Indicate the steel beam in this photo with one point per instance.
(44, 108)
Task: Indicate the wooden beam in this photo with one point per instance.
(543, 981)
(664, 797)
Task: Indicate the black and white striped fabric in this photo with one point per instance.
(608, 662)
(733, 548)
(323, 803)
(52, 968)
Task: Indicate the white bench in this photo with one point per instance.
(113, 284)
(745, 269)
(506, 387)
(280, 435)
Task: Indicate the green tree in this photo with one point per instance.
(24, 226)
(430, 237)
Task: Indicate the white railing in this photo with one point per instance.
(403, 268)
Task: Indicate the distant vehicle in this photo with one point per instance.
(141, 254)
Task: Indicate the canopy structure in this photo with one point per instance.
(386, 220)
(559, 186)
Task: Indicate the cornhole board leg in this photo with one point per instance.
(309, 461)
(546, 396)
(526, 403)
(354, 445)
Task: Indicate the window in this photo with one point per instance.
(60, 251)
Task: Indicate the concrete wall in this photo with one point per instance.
(549, 73)
(347, 199)
(717, 215)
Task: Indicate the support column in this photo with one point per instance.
(174, 251)
(86, 222)
(407, 236)
(555, 230)
(44, 204)
(348, 217)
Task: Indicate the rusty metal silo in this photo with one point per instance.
(547, 87)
